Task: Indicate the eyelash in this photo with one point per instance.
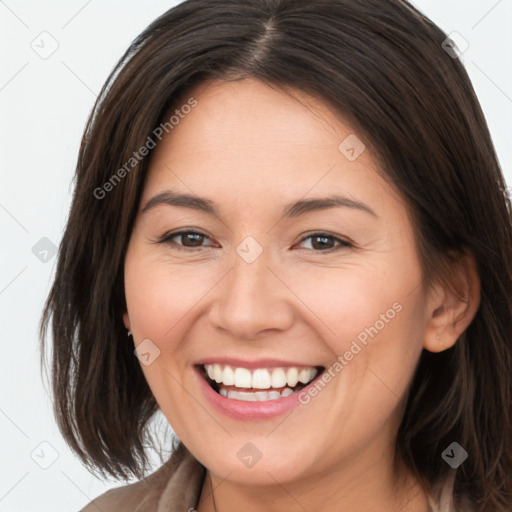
(343, 244)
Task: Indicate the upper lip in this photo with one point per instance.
(258, 363)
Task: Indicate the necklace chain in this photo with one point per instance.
(211, 489)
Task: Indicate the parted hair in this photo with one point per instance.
(381, 65)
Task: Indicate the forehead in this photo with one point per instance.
(257, 142)
(254, 113)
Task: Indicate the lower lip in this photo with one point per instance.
(245, 410)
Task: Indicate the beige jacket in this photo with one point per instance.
(176, 487)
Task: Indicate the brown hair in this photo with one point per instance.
(381, 65)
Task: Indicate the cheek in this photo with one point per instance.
(159, 296)
(357, 303)
(377, 325)
(369, 317)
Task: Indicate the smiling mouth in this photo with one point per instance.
(258, 385)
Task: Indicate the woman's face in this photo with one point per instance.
(272, 291)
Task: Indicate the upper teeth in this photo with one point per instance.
(261, 378)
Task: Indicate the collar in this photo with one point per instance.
(175, 487)
(184, 487)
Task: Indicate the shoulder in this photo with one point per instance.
(129, 498)
(180, 478)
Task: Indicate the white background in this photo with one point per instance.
(44, 104)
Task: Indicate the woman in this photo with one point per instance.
(290, 235)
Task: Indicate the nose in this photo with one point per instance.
(252, 298)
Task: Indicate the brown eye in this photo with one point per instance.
(186, 239)
(191, 239)
(324, 242)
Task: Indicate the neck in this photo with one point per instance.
(362, 487)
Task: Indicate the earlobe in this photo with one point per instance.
(452, 306)
(126, 321)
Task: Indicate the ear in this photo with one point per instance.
(451, 307)
(126, 321)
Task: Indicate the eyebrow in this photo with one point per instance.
(301, 207)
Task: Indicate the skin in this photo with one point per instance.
(252, 149)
